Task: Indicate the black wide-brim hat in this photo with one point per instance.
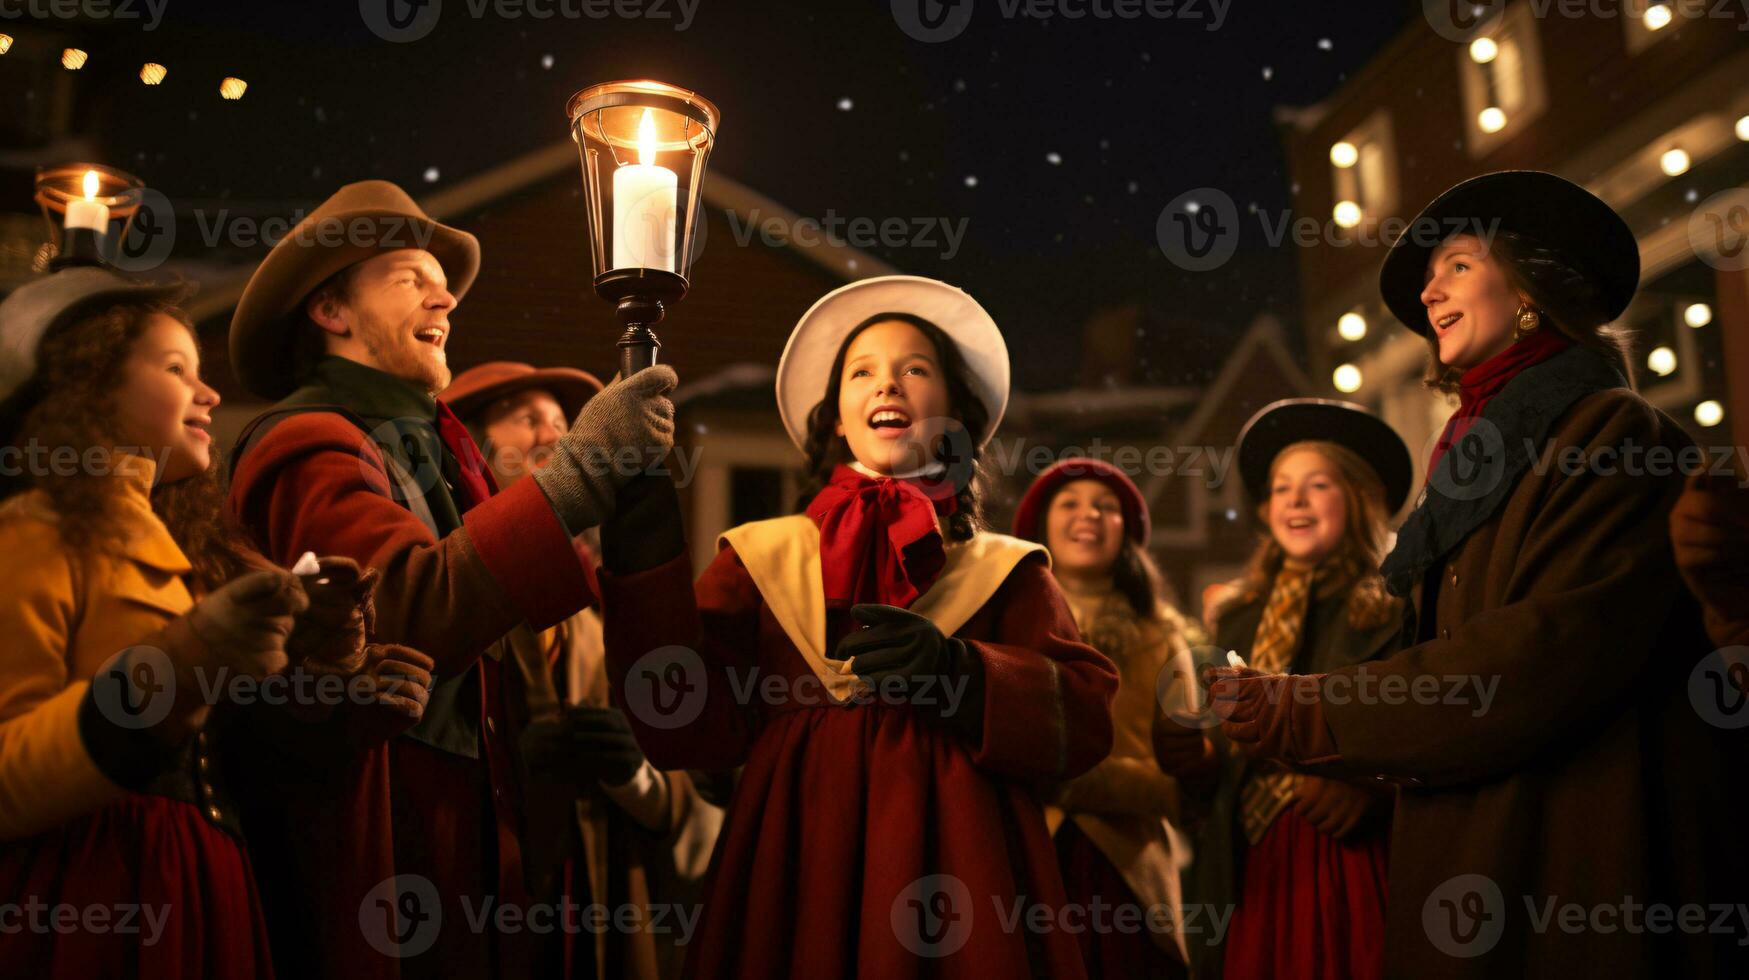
(1553, 211)
(1292, 420)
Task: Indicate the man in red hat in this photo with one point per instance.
(397, 860)
(640, 836)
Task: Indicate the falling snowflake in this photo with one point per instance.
(431, 175)
(1691, 195)
(971, 180)
(1192, 207)
(1132, 187)
(546, 61)
(1324, 44)
(959, 85)
(1054, 158)
(845, 105)
(1268, 73)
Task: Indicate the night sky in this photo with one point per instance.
(1057, 142)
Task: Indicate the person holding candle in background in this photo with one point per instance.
(345, 323)
(1301, 856)
(642, 834)
(1592, 768)
(1117, 844)
(930, 672)
(128, 598)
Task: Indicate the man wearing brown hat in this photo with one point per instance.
(604, 827)
(383, 867)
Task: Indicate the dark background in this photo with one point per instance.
(1138, 111)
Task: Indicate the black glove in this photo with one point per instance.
(898, 643)
(645, 529)
(582, 746)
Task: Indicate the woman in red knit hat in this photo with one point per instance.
(1113, 825)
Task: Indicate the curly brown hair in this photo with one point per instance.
(1563, 295)
(1354, 568)
(70, 401)
(825, 449)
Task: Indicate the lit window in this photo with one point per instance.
(1363, 172)
(1500, 75)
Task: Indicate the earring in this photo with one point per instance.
(1528, 322)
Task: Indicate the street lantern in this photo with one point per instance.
(644, 145)
(80, 202)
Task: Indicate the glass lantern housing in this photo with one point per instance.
(644, 146)
(58, 188)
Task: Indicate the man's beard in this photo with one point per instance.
(394, 352)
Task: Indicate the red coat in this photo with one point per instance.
(333, 828)
(860, 835)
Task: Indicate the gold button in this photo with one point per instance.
(1454, 576)
(206, 788)
(205, 763)
(214, 812)
(1445, 634)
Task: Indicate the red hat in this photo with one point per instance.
(474, 389)
(1038, 496)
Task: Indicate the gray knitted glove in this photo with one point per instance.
(624, 429)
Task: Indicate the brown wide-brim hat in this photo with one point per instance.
(477, 387)
(1552, 211)
(1281, 424)
(357, 222)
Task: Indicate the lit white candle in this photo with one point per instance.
(643, 208)
(88, 213)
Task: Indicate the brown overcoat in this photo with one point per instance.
(1557, 776)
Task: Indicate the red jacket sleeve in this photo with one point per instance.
(316, 483)
(1047, 695)
(670, 645)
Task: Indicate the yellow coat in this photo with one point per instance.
(63, 613)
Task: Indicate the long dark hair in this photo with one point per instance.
(1562, 294)
(825, 449)
(70, 401)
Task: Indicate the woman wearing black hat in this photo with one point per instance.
(1303, 856)
(1110, 823)
(1563, 797)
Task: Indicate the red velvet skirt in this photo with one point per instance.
(144, 888)
(1088, 876)
(1311, 906)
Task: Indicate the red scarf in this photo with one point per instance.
(878, 539)
(477, 485)
(1486, 379)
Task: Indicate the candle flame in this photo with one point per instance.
(647, 139)
(90, 184)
